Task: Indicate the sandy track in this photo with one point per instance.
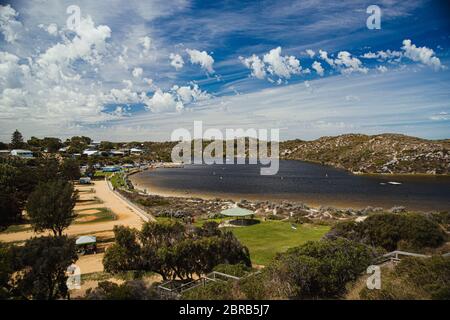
(126, 216)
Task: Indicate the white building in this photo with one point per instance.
(136, 151)
(90, 152)
(22, 153)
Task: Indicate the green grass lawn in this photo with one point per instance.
(267, 238)
(103, 215)
(117, 180)
(101, 174)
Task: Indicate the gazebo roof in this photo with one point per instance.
(86, 240)
(237, 212)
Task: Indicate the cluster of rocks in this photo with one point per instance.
(176, 207)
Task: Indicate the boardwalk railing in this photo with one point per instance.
(395, 256)
(175, 289)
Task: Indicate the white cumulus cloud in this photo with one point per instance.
(162, 102)
(202, 58)
(256, 65)
(318, 67)
(272, 63)
(176, 61)
(344, 62)
(187, 94)
(9, 25)
(423, 55)
(282, 66)
(310, 53)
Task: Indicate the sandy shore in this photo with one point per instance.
(311, 202)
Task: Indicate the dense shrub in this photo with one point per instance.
(300, 219)
(129, 290)
(414, 278)
(237, 270)
(392, 231)
(318, 269)
(442, 218)
(211, 291)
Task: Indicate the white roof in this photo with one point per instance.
(86, 240)
(135, 150)
(90, 152)
(21, 151)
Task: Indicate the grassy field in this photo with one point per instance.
(117, 180)
(267, 238)
(102, 215)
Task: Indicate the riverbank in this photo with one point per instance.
(311, 184)
(313, 201)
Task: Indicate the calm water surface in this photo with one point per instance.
(311, 183)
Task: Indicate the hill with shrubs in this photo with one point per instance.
(383, 153)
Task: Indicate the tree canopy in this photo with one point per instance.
(40, 268)
(17, 140)
(173, 250)
(50, 206)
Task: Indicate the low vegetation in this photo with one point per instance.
(414, 278)
(129, 290)
(383, 153)
(407, 231)
(315, 270)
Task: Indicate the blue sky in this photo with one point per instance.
(136, 70)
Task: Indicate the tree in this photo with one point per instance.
(3, 146)
(10, 211)
(106, 146)
(50, 206)
(6, 271)
(41, 266)
(173, 251)
(52, 144)
(70, 169)
(78, 144)
(17, 140)
(10, 206)
(124, 254)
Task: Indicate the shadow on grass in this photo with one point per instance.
(244, 222)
